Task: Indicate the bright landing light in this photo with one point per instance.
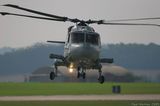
(70, 70)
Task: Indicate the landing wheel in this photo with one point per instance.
(101, 79)
(78, 74)
(84, 75)
(52, 75)
(81, 72)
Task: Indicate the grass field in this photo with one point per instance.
(80, 103)
(13, 89)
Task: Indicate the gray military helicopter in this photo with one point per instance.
(83, 44)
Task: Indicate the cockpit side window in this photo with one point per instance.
(92, 38)
(77, 37)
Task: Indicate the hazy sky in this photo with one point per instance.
(20, 32)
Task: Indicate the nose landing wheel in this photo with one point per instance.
(81, 73)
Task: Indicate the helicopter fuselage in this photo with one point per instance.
(82, 47)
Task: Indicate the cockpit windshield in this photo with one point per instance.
(77, 37)
(92, 38)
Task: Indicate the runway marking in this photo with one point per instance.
(81, 97)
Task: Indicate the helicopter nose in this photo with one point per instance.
(85, 51)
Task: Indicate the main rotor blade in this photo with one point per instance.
(56, 42)
(114, 22)
(136, 19)
(29, 16)
(36, 12)
(134, 24)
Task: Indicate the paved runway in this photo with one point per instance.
(81, 97)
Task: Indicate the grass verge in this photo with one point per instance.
(19, 89)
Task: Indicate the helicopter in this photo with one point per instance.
(83, 44)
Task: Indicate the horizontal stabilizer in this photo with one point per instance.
(106, 60)
(55, 56)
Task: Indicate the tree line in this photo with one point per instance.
(130, 56)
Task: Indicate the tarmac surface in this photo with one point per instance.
(82, 97)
